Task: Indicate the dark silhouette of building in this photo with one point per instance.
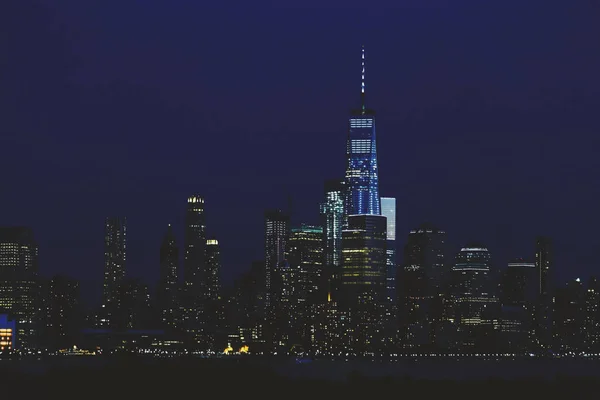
(422, 288)
(63, 313)
(19, 295)
(474, 297)
(568, 323)
(212, 295)
(134, 308)
(544, 264)
(194, 270)
(168, 286)
(277, 230)
(115, 258)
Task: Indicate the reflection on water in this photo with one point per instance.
(340, 370)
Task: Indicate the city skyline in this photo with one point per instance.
(519, 199)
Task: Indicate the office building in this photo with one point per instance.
(115, 258)
(362, 181)
(19, 295)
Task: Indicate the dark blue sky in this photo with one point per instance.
(487, 121)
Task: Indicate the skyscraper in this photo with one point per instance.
(424, 251)
(388, 210)
(474, 295)
(362, 182)
(213, 315)
(364, 258)
(277, 225)
(62, 309)
(193, 268)
(18, 281)
(213, 269)
(364, 282)
(332, 217)
(168, 285)
(332, 213)
(115, 258)
(301, 285)
(195, 243)
(543, 265)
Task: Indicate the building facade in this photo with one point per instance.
(115, 258)
(362, 175)
(19, 294)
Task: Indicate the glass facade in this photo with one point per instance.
(362, 196)
(332, 213)
(364, 256)
(361, 171)
(388, 210)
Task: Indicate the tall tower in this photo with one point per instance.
(195, 242)
(332, 218)
(213, 270)
(277, 226)
(115, 258)
(362, 196)
(332, 214)
(168, 287)
(543, 265)
(193, 267)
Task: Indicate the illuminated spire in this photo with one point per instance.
(362, 82)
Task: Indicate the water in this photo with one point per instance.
(436, 369)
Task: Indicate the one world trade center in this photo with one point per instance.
(362, 183)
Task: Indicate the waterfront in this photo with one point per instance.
(338, 370)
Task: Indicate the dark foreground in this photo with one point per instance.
(198, 378)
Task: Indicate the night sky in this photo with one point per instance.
(487, 122)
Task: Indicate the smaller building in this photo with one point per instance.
(7, 333)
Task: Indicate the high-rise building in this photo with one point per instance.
(425, 251)
(194, 268)
(277, 225)
(212, 298)
(364, 257)
(18, 282)
(519, 283)
(332, 217)
(168, 286)
(364, 281)
(304, 253)
(115, 258)
(518, 298)
(362, 182)
(332, 212)
(195, 243)
(134, 308)
(213, 270)
(418, 285)
(301, 285)
(388, 210)
(63, 313)
(474, 295)
(543, 265)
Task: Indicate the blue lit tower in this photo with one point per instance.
(362, 183)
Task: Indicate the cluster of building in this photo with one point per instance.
(338, 289)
